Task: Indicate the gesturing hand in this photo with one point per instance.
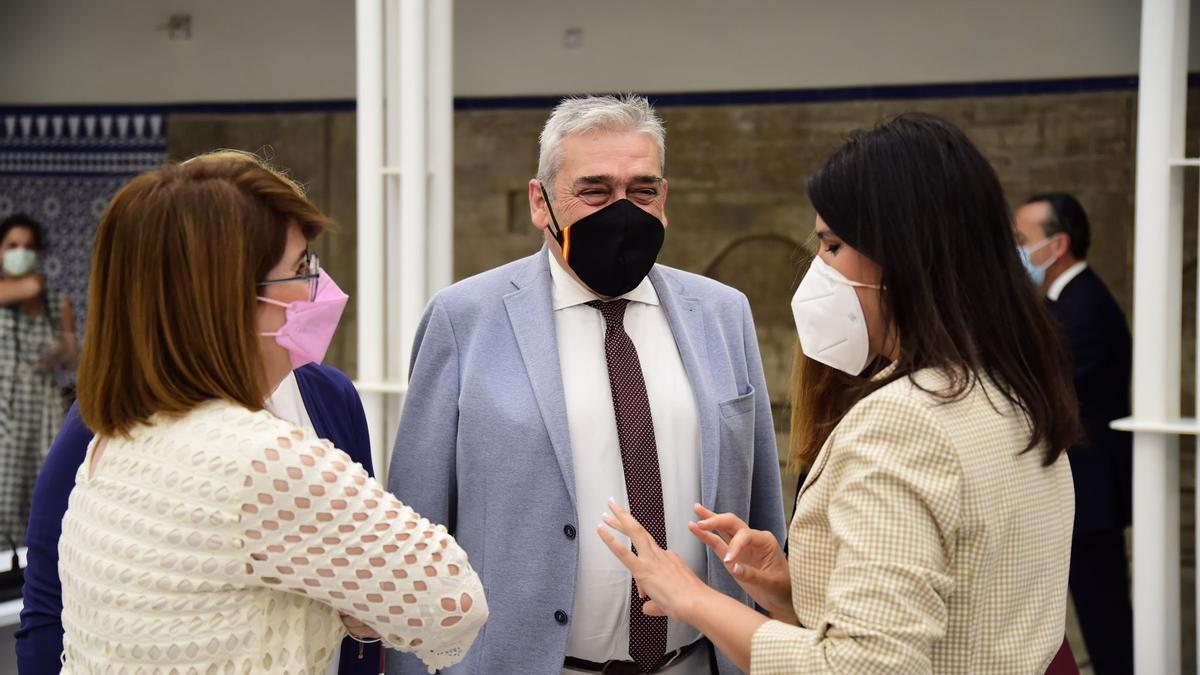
(671, 586)
(752, 557)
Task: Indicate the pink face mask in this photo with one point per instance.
(309, 324)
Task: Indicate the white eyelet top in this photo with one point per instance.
(228, 541)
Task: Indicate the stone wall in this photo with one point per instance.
(737, 207)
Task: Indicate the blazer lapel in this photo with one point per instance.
(816, 468)
(685, 315)
(531, 314)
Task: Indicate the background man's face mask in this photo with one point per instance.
(1036, 272)
(829, 319)
(610, 250)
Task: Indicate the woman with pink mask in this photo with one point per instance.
(205, 533)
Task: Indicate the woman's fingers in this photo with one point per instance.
(651, 608)
(717, 544)
(724, 524)
(626, 556)
(614, 523)
(745, 573)
(630, 527)
(739, 547)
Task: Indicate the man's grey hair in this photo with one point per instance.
(582, 115)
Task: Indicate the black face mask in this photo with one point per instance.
(613, 249)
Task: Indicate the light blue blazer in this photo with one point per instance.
(483, 446)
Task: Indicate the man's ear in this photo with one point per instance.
(539, 214)
(665, 185)
(1062, 245)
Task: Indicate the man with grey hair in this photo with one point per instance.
(541, 389)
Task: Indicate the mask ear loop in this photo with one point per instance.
(272, 301)
(277, 303)
(827, 271)
(557, 232)
(1039, 246)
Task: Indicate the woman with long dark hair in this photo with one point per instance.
(933, 531)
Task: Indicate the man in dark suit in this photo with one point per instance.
(1054, 231)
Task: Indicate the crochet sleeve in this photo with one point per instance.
(315, 523)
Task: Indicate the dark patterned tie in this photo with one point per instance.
(639, 455)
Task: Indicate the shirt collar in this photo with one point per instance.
(568, 292)
(287, 388)
(1063, 279)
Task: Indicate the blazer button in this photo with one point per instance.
(569, 530)
(560, 616)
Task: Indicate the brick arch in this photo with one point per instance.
(767, 267)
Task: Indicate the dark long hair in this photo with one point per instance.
(916, 197)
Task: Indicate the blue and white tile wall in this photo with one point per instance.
(62, 166)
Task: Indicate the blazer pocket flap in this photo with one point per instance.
(739, 405)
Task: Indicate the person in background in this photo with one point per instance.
(541, 388)
(932, 534)
(204, 533)
(37, 338)
(1054, 231)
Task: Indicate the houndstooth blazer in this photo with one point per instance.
(925, 541)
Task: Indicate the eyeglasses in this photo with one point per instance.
(310, 269)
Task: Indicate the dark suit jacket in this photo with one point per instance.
(1101, 351)
(336, 414)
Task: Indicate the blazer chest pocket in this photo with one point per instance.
(740, 405)
(737, 436)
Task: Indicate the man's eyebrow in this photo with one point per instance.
(611, 180)
(595, 180)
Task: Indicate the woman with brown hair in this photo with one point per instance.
(933, 532)
(204, 533)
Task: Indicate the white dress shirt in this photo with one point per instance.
(600, 621)
(1063, 279)
(287, 404)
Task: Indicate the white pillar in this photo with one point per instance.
(441, 145)
(406, 191)
(369, 295)
(1162, 92)
(411, 114)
